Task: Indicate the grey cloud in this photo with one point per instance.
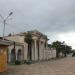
(44, 15)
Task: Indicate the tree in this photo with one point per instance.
(9, 34)
(49, 45)
(57, 46)
(28, 39)
(63, 50)
(68, 49)
(61, 47)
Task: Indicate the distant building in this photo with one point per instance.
(39, 49)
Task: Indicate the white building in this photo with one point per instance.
(39, 50)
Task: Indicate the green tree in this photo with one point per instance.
(49, 45)
(63, 50)
(61, 47)
(28, 39)
(9, 34)
(67, 50)
(57, 46)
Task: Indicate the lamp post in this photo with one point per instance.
(4, 22)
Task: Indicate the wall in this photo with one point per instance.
(16, 38)
(19, 39)
(3, 58)
(17, 47)
(49, 53)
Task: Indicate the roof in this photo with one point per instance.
(39, 34)
(9, 42)
(4, 42)
(34, 33)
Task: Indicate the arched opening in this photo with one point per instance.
(19, 55)
(13, 56)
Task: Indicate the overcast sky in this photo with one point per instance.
(55, 18)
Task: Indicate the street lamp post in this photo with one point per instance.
(4, 22)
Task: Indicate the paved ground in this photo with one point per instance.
(64, 66)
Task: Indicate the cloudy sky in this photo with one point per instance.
(55, 18)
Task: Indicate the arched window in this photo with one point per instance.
(13, 56)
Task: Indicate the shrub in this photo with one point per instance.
(25, 61)
(17, 62)
(73, 55)
(28, 62)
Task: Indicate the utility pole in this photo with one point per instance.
(4, 22)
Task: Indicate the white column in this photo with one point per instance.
(25, 51)
(35, 51)
(9, 57)
(39, 50)
(43, 51)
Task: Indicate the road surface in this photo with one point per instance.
(65, 66)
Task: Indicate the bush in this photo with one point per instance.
(17, 62)
(73, 55)
(25, 61)
(29, 62)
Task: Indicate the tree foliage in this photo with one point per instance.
(28, 39)
(61, 47)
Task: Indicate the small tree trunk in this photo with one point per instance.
(57, 54)
(29, 52)
(65, 54)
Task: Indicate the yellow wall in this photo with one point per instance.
(3, 58)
